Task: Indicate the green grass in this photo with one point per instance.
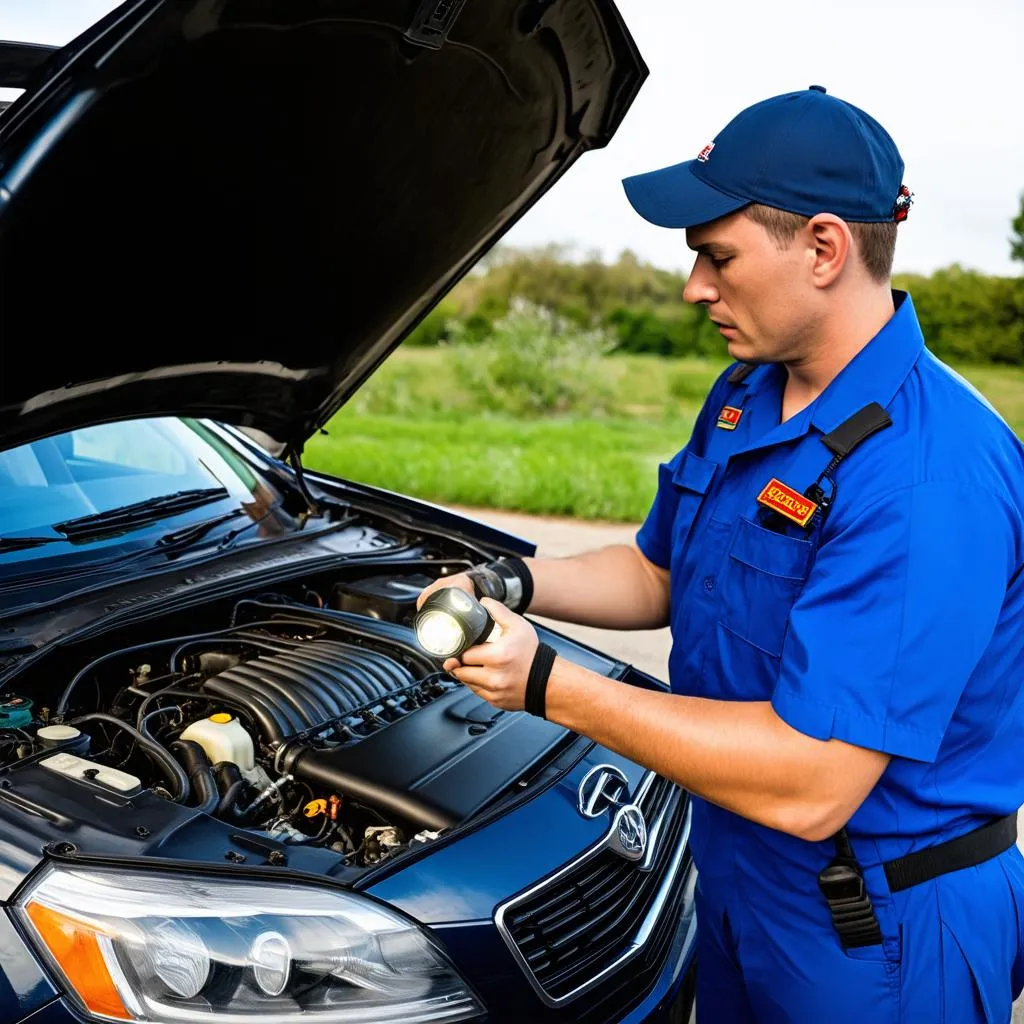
(411, 429)
(1003, 386)
(596, 470)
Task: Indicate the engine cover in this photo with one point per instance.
(428, 765)
(309, 684)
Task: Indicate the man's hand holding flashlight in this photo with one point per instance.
(497, 671)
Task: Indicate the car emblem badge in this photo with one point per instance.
(629, 834)
(602, 787)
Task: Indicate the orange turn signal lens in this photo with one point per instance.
(75, 947)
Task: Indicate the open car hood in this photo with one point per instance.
(238, 208)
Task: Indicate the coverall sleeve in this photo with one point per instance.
(896, 614)
(654, 537)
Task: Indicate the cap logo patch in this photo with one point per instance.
(904, 201)
(784, 500)
(729, 417)
(703, 155)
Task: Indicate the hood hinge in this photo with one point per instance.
(312, 506)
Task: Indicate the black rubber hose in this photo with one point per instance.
(197, 765)
(174, 691)
(143, 723)
(175, 773)
(230, 785)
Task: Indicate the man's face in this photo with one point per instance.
(761, 296)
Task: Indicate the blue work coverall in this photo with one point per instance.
(896, 624)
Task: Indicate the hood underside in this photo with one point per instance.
(238, 208)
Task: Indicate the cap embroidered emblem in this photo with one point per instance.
(784, 500)
(729, 417)
(904, 201)
(703, 155)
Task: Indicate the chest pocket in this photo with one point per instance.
(765, 572)
(691, 479)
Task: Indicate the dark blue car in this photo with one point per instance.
(233, 788)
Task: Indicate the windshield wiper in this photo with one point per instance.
(23, 543)
(188, 535)
(128, 517)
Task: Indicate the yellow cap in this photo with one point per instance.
(221, 719)
(315, 807)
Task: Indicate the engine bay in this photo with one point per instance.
(306, 717)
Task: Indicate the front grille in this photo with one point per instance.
(575, 929)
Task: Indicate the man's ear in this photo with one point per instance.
(830, 240)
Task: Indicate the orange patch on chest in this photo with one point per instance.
(784, 500)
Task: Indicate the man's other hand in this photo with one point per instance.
(460, 580)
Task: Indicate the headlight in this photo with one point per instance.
(140, 946)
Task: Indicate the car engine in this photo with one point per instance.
(299, 720)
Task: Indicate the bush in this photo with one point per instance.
(966, 316)
(537, 363)
(686, 385)
(435, 327)
(970, 317)
(392, 391)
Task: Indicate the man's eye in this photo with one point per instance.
(719, 261)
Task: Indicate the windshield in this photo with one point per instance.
(91, 472)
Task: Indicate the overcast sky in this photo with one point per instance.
(945, 78)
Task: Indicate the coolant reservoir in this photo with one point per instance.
(222, 738)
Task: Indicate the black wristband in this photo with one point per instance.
(537, 681)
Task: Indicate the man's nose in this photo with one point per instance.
(699, 287)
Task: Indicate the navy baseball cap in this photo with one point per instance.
(803, 152)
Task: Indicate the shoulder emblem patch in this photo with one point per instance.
(784, 500)
(729, 417)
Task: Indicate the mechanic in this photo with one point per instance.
(838, 550)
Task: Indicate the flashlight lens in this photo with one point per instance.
(440, 633)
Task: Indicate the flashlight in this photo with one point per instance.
(450, 622)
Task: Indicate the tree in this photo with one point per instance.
(1017, 239)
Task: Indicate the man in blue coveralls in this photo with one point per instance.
(838, 550)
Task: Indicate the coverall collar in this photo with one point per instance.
(873, 375)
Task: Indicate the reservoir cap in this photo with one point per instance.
(15, 712)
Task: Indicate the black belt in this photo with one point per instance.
(842, 882)
(965, 851)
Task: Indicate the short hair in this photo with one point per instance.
(876, 243)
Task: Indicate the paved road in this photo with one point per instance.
(647, 650)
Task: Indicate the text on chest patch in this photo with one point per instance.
(729, 417)
(784, 500)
